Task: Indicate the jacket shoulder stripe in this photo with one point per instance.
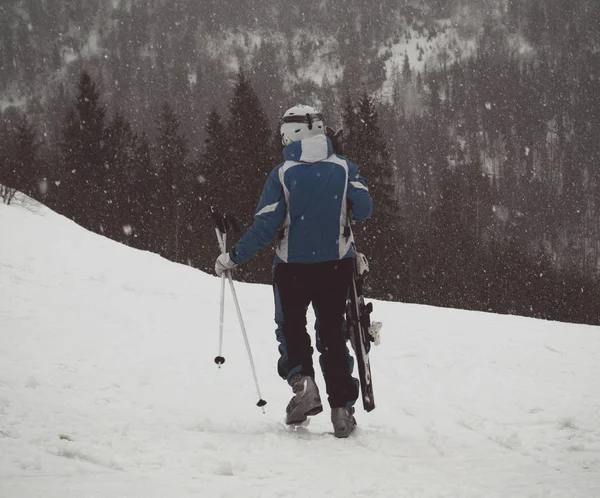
(284, 167)
(359, 185)
(268, 209)
(283, 247)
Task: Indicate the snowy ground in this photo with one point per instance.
(108, 389)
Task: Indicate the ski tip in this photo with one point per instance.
(219, 360)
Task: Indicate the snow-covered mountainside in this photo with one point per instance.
(145, 52)
(108, 388)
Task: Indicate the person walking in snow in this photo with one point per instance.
(307, 203)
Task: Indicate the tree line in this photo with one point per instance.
(482, 170)
(495, 171)
(149, 194)
(441, 233)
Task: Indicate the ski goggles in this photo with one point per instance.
(303, 118)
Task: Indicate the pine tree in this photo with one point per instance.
(7, 180)
(350, 126)
(172, 154)
(146, 202)
(22, 160)
(215, 159)
(406, 70)
(250, 162)
(82, 189)
(537, 24)
(121, 145)
(212, 188)
(266, 69)
(250, 157)
(378, 237)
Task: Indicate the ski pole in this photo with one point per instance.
(219, 359)
(261, 402)
(221, 232)
(224, 224)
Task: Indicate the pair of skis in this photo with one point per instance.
(360, 331)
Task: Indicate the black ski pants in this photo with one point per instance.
(326, 286)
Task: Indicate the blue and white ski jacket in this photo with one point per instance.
(305, 202)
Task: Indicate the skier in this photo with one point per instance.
(306, 203)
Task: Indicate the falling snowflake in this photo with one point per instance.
(43, 186)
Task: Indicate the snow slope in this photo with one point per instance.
(108, 389)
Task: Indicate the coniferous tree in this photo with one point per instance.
(21, 161)
(266, 69)
(250, 155)
(215, 160)
(350, 121)
(121, 145)
(406, 70)
(366, 147)
(28, 157)
(82, 187)
(537, 23)
(250, 162)
(7, 175)
(212, 188)
(146, 199)
(174, 183)
(370, 149)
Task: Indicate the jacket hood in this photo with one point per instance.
(309, 150)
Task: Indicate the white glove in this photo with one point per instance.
(224, 263)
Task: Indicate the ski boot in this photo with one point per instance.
(306, 401)
(343, 421)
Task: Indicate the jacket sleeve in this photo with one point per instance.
(269, 215)
(358, 194)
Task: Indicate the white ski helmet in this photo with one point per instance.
(300, 122)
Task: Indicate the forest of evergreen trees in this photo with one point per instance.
(484, 170)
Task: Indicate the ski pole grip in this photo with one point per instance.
(224, 222)
(218, 219)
